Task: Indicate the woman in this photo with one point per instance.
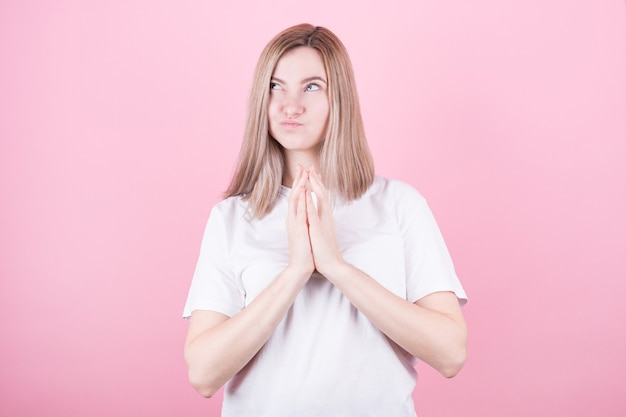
(318, 283)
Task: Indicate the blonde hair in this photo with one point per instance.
(346, 164)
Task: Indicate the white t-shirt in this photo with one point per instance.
(325, 359)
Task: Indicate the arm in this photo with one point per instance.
(217, 347)
(432, 329)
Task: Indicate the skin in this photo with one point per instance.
(298, 108)
(218, 346)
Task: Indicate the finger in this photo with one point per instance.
(297, 178)
(301, 212)
(320, 191)
(296, 190)
(293, 202)
(310, 206)
(304, 178)
(297, 182)
(314, 177)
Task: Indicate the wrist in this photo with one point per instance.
(335, 270)
(299, 272)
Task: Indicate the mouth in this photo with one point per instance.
(290, 124)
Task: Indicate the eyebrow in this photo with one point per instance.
(306, 80)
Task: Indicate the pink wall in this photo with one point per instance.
(119, 125)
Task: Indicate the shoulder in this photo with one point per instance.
(398, 198)
(228, 204)
(395, 192)
(230, 210)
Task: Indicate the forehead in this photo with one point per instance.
(301, 62)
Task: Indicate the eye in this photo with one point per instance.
(312, 87)
(274, 86)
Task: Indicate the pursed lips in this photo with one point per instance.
(290, 123)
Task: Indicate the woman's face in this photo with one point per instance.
(298, 105)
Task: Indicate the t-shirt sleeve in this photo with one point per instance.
(214, 285)
(428, 264)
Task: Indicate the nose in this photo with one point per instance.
(292, 106)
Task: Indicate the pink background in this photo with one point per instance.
(119, 125)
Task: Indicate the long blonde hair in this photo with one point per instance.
(345, 160)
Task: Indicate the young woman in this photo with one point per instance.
(318, 284)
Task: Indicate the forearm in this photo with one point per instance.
(217, 353)
(432, 336)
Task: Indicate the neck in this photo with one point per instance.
(293, 159)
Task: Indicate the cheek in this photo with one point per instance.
(274, 117)
(271, 109)
(272, 114)
(324, 113)
(321, 108)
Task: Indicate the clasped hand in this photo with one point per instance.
(310, 229)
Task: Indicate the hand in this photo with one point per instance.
(300, 253)
(326, 253)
